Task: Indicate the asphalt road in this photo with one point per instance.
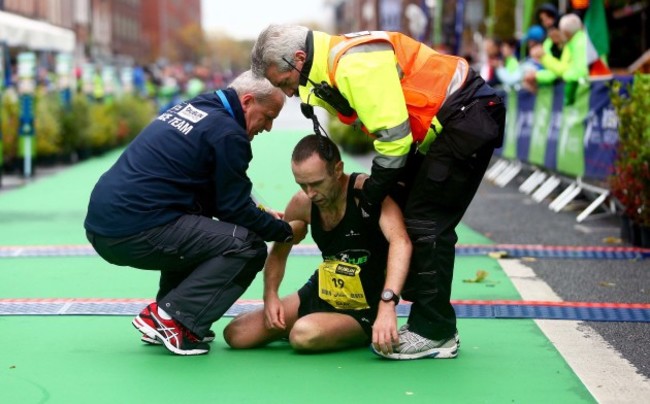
(507, 216)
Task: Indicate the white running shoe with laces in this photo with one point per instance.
(415, 346)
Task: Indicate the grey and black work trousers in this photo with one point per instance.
(205, 265)
(438, 189)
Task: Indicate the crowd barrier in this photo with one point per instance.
(572, 145)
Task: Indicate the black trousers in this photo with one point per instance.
(205, 265)
(435, 192)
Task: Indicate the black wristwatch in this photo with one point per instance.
(389, 296)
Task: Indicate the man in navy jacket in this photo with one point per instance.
(178, 200)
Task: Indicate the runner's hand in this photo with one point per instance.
(384, 331)
(274, 313)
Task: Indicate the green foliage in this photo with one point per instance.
(630, 182)
(82, 129)
(117, 123)
(102, 128)
(9, 119)
(351, 139)
(74, 126)
(133, 115)
(47, 125)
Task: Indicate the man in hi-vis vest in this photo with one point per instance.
(435, 123)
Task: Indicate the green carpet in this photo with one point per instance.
(99, 359)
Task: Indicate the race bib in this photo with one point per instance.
(340, 285)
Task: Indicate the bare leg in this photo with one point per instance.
(326, 332)
(248, 330)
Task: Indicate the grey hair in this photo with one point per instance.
(570, 23)
(259, 87)
(275, 42)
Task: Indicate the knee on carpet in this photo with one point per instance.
(305, 336)
(235, 334)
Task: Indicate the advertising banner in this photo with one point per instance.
(577, 140)
(550, 159)
(524, 128)
(601, 134)
(509, 148)
(541, 123)
(570, 147)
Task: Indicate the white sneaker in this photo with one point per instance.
(415, 346)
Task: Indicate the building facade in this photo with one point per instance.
(118, 31)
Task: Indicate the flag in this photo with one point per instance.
(596, 25)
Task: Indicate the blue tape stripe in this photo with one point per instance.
(509, 251)
(495, 311)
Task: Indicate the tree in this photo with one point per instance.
(189, 45)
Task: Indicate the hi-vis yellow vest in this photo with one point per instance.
(426, 76)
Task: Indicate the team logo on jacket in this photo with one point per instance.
(192, 113)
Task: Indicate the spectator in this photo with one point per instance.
(547, 15)
(531, 65)
(509, 72)
(493, 59)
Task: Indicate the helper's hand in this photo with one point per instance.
(384, 331)
(367, 208)
(273, 313)
(276, 214)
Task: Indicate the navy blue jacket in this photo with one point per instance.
(192, 159)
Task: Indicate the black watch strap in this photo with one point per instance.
(387, 295)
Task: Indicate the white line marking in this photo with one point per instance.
(608, 376)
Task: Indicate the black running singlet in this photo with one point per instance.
(355, 240)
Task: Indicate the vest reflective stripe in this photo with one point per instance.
(428, 77)
(340, 44)
(390, 162)
(393, 134)
(460, 74)
(394, 148)
(370, 47)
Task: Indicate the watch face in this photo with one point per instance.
(387, 295)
